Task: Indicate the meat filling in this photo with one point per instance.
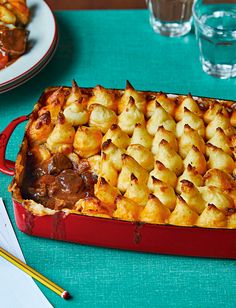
(13, 41)
(57, 184)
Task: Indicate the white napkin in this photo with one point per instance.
(17, 289)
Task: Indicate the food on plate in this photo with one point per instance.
(130, 155)
(14, 16)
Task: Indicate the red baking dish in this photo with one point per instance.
(143, 237)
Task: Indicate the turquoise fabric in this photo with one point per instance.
(108, 47)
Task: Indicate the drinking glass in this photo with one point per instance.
(215, 27)
(170, 17)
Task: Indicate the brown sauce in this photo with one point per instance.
(57, 183)
(11, 61)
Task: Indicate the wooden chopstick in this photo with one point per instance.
(31, 272)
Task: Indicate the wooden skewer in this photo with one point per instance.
(31, 272)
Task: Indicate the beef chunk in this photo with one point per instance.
(13, 41)
(58, 163)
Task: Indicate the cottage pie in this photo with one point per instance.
(14, 16)
(130, 155)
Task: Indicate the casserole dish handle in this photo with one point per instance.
(7, 166)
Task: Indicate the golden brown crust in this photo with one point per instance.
(14, 11)
(158, 158)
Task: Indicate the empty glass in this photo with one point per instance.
(215, 27)
(170, 17)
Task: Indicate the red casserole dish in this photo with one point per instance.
(113, 233)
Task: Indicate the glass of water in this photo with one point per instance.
(215, 27)
(170, 17)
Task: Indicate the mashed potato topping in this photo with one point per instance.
(130, 155)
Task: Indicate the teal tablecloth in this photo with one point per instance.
(108, 47)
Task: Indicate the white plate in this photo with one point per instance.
(43, 32)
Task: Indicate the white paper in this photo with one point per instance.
(17, 289)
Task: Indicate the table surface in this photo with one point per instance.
(93, 5)
(108, 47)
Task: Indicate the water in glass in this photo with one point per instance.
(216, 34)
